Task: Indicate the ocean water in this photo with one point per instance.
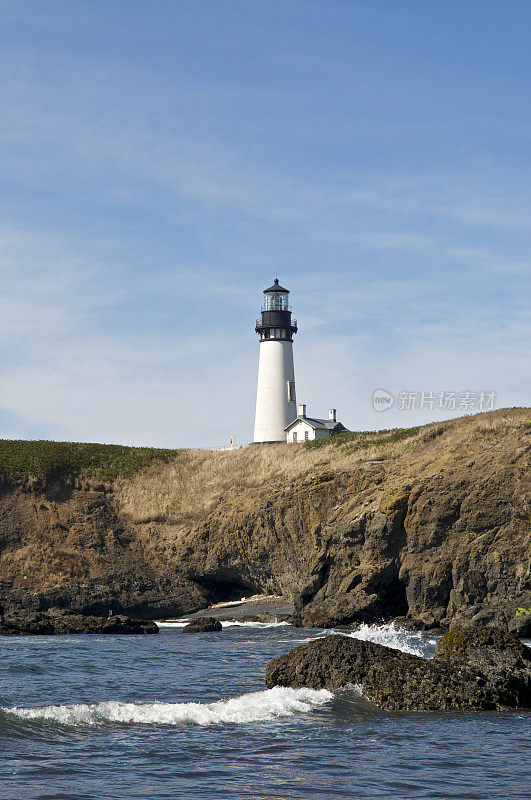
(179, 716)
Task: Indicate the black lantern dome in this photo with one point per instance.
(276, 288)
(276, 322)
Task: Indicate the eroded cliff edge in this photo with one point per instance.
(431, 523)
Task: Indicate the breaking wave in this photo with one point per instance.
(389, 635)
(261, 706)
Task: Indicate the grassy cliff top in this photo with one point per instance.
(255, 465)
(43, 459)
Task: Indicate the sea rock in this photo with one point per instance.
(203, 625)
(497, 654)
(40, 624)
(472, 670)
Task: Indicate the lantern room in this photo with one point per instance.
(276, 322)
(276, 298)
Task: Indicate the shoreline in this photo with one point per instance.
(246, 609)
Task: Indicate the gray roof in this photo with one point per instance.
(324, 424)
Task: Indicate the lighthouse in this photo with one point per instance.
(276, 405)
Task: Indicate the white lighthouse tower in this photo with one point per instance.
(276, 405)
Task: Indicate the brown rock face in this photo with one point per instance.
(484, 670)
(431, 524)
(74, 550)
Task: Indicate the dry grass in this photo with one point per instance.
(194, 484)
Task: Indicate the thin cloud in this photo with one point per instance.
(144, 212)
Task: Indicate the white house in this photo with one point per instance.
(306, 429)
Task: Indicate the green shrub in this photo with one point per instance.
(363, 440)
(43, 460)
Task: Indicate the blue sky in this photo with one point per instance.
(161, 162)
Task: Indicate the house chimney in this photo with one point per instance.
(301, 410)
(332, 415)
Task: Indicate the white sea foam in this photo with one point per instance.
(390, 635)
(234, 623)
(225, 624)
(180, 624)
(253, 707)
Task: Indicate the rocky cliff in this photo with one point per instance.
(430, 523)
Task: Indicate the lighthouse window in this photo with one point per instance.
(294, 437)
(275, 301)
(291, 391)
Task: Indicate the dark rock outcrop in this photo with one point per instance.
(471, 670)
(203, 625)
(40, 624)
